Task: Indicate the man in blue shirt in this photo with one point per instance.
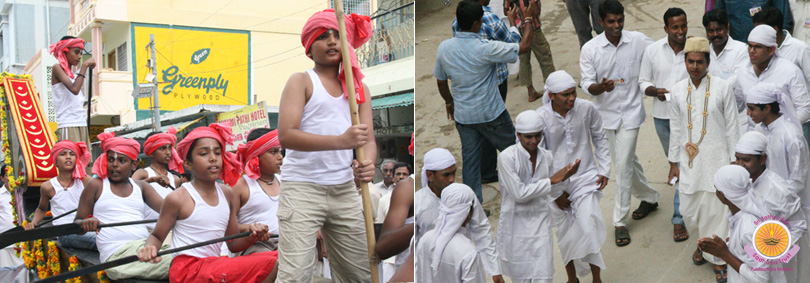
(740, 13)
(471, 63)
(493, 28)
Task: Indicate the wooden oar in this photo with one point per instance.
(347, 66)
(43, 222)
(56, 231)
(133, 258)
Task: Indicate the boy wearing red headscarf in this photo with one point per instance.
(114, 197)
(203, 210)
(316, 129)
(160, 146)
(68, 100)
(62, 192)
(257, 192)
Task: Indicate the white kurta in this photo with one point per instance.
(796, 51)
(580, 229)
(740, 233)
(717, 147)
(459, 262)
(524, 228)
(570, 138)
(781, 72)
(8, 256)
(733, 56)
(779, 200)
(598, 58)
(426, 212)
(789, 158)
(661, 68)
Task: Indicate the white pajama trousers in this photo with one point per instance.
(630, 179)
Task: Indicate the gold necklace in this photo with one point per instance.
(692, 148)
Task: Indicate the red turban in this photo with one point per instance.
(82, 155)
(249, 153)
(157, 140)
(59, 49)
(109, 141)
(358, 31)
(410, 148)
(231, 167)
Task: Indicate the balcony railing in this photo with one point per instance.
(393, 37)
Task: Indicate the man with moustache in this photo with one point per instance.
(727, 54)
(656, 77)
(704, 131)
(789, 48)
(387, 184)
(610, 69)
(766, 66)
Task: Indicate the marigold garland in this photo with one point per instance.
(102, 277)
(74, 265)
(54, 266)
(42, 265)
(27, 255)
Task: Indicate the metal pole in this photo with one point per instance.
(89, 83)
(156, 107)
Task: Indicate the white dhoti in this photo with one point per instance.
(705, 216)
(581, 232)
(630, 179)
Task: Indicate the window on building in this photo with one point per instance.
(121, 52)
(361, 7)
(117, 59)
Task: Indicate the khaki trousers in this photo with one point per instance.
(304, 208)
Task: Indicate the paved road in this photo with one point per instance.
(652, 256)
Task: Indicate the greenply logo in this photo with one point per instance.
(200, 55)
(174, 77)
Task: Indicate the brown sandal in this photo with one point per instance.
(680, 233)
(644, 209)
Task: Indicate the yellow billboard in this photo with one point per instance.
(194, 65)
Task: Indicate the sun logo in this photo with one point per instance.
(771, 239)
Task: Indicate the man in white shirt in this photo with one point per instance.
(704, 132)
(446, 254)
(439, 171)
(734, 190)
(572, 130)
(387, 184)
(727, 54)
(656, 77)
(787, 153)
(610, 66)
(8, 256)
(789, 48)
(774, 193)
(524, 228)
(766, 66)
